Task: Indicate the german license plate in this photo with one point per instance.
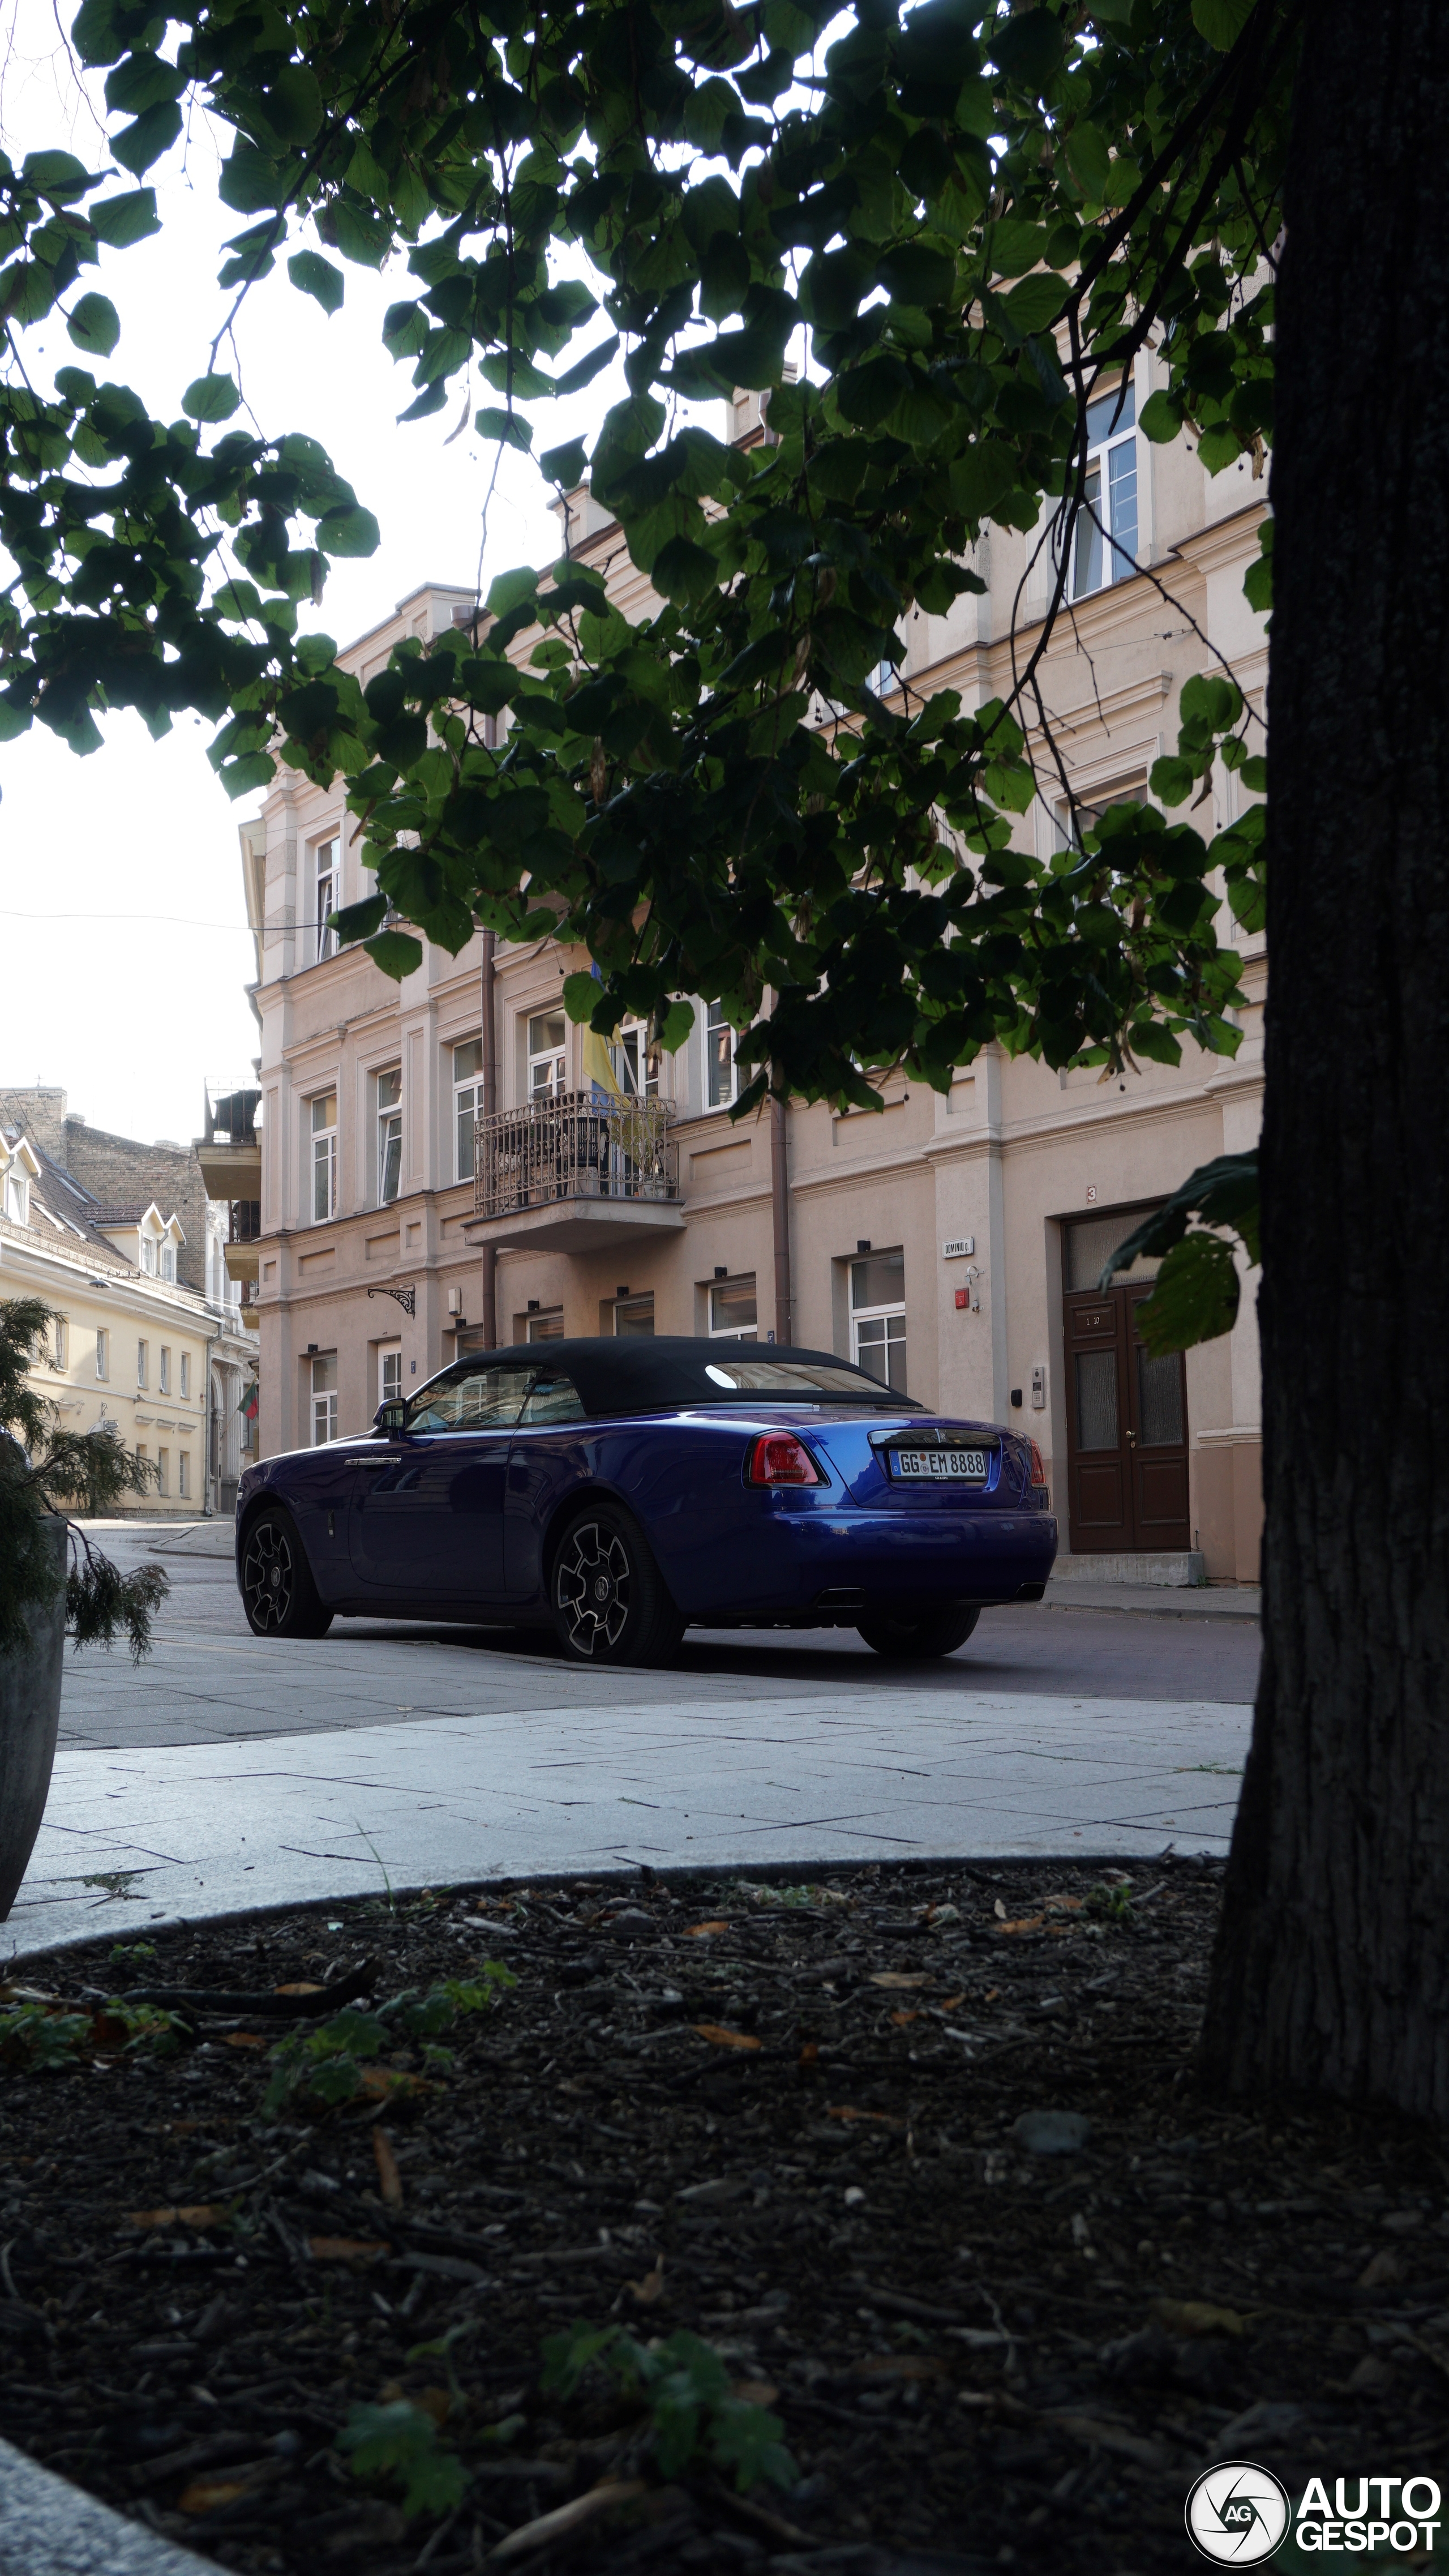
(940, 1466)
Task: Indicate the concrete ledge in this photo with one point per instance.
(49, 2528)
(1173, 1567)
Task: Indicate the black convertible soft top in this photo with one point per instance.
(658, 1373)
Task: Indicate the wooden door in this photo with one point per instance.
(1127, 1482)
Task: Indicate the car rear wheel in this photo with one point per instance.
(278, 1593)
(940, 1632)
(610, 1602)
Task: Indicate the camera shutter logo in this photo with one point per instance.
(1237, 2513)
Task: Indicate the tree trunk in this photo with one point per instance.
(1332, 1966)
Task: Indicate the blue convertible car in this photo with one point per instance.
(622, 1491)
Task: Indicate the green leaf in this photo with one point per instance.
(119, 221)
(401, 2442)
(316, 276)
(564, 465)
(1172, 780)
(1035, 303)
(292, 104)
(361, 920)
(396, 952)
(510, 589)
(94, 325)
(1221, 21)
(580, 993)
(210, 398)
(584, 370)
(508, 427)
(350, 530)
(1160, 418)
(1195, 1298)
(138, 145)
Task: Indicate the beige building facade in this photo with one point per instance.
(950, 1243)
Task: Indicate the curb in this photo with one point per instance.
(50, 2528)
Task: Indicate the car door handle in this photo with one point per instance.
(374, 1462)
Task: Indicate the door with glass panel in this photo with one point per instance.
(426, 1518)
(1127, 1479)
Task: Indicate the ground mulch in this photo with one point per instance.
(784, 2118)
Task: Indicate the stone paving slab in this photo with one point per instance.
(49, 2528)
(140, 1836)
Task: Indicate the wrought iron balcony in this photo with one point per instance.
(244, 1221)
(571, 1167)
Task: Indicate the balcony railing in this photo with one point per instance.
(571, 1145)
(231, 1113)
(244, 1221)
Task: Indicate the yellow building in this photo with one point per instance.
(136, 1351)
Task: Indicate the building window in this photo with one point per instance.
(164, 1377)
(185, 1375)
(1090, 810)
(163, 1471)
(168, 1261)
(1104, 540)
(548, 1054)
(389, 1373)
(721, 1079)
(389, 1135)
(328, 885)
(183, 1474)
(637, 1062)
(635, 1315)
(17, 1195)
(878, 1317)
(143, 1363)
(324, 1399)
(60, 1342)
(732, 1311)
(467, 1106)
(103, 1354)
(324, 1157)
(148, 1255)
(545, 1327)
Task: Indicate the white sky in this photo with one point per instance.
(121, 915)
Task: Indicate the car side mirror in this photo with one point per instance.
(389, 1418)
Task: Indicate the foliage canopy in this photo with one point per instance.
(979, 213)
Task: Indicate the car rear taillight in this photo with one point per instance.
(1038, 1471)
(778, 1458)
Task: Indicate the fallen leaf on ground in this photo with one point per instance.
(1026, 1923)
(342, 2249)
(1064, 1904)
(901, 2018)
(204, 2494)
(754, 2392)
(242, 2039)
(389, 2180)
(196, 2213)
(1382, 2271)
(652, 2285)
(697, 1931)
(1199, 2317)
(951, 2001)
(380, 2082)
(718, 2037)
(565, 2518)
(845, 2111)
(810, 2053)
(305, 1986)
(898, 1977)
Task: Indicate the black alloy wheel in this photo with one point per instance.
(610, 1603)
(278, 1593)
(938, 1632)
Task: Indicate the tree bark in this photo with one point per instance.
(1332, 1966)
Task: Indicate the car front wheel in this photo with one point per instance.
(609, 1600)
(278, 1593)
(940, 1632)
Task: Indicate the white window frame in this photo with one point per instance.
(103, 1353)
(717, 1026)
(388, 1114)
(322, 1160)
(185, 1376)
(168, 1261)
(163, 1369)
(622, 1305)
(326, 893)
(888, 1313)
(547, 1066)
(143, 1363)
(60, 1342)
(163, 1472)
(389, 1372)
(148, 1253)
(633, 1054)
(183, 1474)
(323, 1399)
(17, 1194)
(1110, 538)
(467, 1104)
(734, 1332)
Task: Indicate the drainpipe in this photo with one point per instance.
(488, 1316)
(780, 1208)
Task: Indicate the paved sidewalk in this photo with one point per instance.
(137, 1837)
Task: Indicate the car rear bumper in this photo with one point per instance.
(829, 1564)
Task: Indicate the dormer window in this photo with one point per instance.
(17, 1194)
(148, 1255)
